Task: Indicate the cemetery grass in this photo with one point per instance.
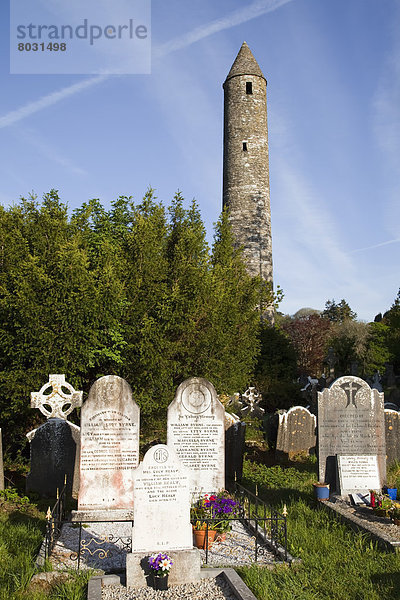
(22, 528)
(337, 563)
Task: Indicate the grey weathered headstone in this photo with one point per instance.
(53, 451)
(109, 447)
(1, 464)
(296, 430)
(196, 431)
(350, 422)
(235, 431)
(392, 435)
(56, 400)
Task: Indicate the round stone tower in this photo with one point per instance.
(246, 165)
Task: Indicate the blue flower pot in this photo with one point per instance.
(321, 491)
(392, 493)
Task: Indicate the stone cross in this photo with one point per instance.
(59, 396)
(252, 397)
(331, 361)
(351, 389)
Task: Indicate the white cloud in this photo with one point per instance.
(388, 242)
(46, 101)
(237, 17)
(251, 11)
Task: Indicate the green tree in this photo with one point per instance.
(338, 312)
(349, 339)
(392, 320)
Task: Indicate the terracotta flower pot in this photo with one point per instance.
(201, 540)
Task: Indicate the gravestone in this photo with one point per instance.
(350, 422)
(109, 450)
(196, 431)
(296, 431)
(392, 435)
(162, 517)
(235, 431)
(54, 446)
(358, 473)
(53, 451)
(161, 503)
(1, 464)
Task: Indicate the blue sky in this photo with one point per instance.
(333, 71)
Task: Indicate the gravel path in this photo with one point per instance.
(366, 514)
(206, 589)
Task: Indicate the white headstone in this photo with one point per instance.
(109, 446)
(161, 503)
(358, 473)
(196, 430)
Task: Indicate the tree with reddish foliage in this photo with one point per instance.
(309, 336)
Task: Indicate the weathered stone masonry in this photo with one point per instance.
(246, 162)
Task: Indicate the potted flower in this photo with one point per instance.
(160, 565)
(382, 505)
(224, 508)
(210, 514)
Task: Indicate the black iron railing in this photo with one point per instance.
(265, 521)
(55, 519)
(267, 526)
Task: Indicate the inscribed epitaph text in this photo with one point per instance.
(109, 446)
(196, 430)
(161, 503)
(350, 422)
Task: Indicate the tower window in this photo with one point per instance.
(244, 146)
(249, 87)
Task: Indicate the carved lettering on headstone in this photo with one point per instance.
(350, 421)
(161, 503)
(197, 433)
(109, 446)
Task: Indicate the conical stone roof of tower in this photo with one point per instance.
(245, 64)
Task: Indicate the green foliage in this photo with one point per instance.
(378, 352)
(349, 340)
(133, 291)
(276, 369)
(392, 320)
(338, 312)
(10, 495)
